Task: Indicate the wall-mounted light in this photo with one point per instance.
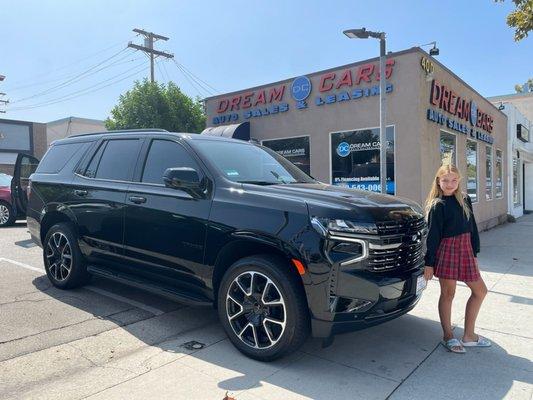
(434, 51)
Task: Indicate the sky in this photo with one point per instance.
(70, 58)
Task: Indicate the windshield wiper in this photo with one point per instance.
(278, 177)
(264, 183)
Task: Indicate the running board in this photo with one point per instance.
(156, 288)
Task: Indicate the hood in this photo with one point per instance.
(331, 201)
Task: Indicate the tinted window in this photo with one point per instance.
(57, 157)
(118, 160)
(165, 154)
(90, 172)
(249, 163)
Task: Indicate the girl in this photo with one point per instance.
(452, 247)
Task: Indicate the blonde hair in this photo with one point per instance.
(436, 193)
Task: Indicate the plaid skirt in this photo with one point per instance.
(455, 259)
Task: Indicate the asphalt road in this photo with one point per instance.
(109, 341)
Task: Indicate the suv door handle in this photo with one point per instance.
(137, 199)
(81, 193)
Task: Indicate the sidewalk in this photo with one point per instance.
(144, 356)
(399, 360)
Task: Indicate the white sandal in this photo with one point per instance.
(481, 342)
(452, 345)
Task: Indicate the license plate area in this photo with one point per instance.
(420, 284)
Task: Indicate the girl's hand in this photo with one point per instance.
(428, 273)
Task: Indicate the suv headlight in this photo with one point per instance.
(342, 244)
(331, 226)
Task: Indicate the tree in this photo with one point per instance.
(525, 88)
(521, 18)
(153, 105)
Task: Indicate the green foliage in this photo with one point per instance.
(153, 105)
(525, 88)
(521, 18)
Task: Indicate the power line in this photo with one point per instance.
(82, 92)
(197, 78)
(193, 80)
(72, 75)
(148, 48)
(90, 56)
(76, 78)
(190, 81)
(159, 68)
(166, 72)
(81, 78)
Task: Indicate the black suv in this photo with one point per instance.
(212, 220)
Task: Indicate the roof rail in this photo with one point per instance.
(119, 131)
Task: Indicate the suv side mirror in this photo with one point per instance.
(182, 178)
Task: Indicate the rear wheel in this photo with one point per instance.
(263, 309)
(63, 261)
(7, 214)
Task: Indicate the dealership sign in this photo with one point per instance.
(333, 87)
(466, 117)
(355, 159)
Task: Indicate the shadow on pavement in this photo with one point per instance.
(378, 359)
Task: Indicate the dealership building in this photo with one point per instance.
(519, 110)
(327, 123)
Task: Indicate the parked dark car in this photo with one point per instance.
(211, 220)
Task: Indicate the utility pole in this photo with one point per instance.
(5, 102)
(148, 48)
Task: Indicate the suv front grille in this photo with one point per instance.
(401, 245)
(400, 227)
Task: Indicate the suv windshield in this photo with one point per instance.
(5, 180)
(249, 163)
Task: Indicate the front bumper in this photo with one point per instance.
(388, 296)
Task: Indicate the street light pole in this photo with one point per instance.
(382, 115)
(364, 34)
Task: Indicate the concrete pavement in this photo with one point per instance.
(91, 344)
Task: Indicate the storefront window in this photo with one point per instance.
(15, 137)
(447, 148)
(488, 173)
(516, 181)
(471, 169)
(499, 174)
(296, 150)
(355, 160)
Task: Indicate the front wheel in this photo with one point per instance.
(262, 306)
(63, 261)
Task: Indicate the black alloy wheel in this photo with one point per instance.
(63, 261)
(263, 308)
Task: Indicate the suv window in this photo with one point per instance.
(248, 163)
(90, 172)
(114, 160)
(165, 154)
(57, 157)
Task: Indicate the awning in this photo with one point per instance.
(235, 131)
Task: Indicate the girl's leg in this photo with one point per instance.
(447, 292)
(479, 291)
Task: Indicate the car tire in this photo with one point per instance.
(271, 320)
(64, 264)
(7, 214)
